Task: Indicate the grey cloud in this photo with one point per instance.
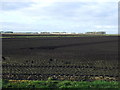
(81, 11)
(7, 6)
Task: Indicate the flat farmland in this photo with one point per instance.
(62, 58)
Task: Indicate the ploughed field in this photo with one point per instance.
(62, 58)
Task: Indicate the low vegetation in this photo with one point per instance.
(59, 84)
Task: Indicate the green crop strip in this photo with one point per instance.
(59, 84)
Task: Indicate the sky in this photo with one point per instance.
(77, 16)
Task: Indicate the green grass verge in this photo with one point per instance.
(60, 84)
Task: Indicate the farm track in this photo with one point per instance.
(43, 57)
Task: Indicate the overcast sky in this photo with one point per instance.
(78, 16)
